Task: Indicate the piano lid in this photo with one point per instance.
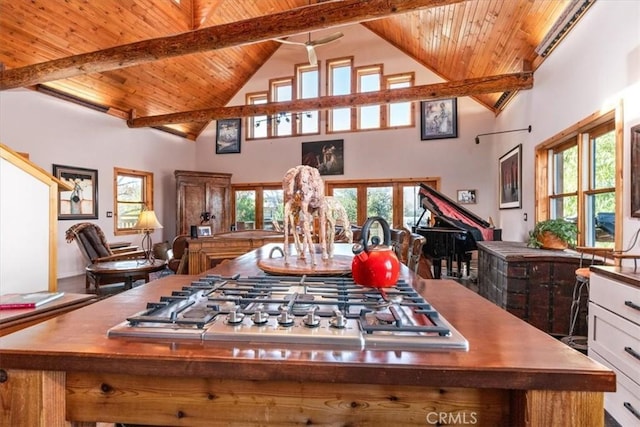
(441, 205)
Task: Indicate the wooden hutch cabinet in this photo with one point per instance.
(198, 192)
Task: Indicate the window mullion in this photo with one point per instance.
(583, 184)
(259, 207)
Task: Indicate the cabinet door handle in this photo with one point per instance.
(632, 305)
(632, 352)
(631, 409)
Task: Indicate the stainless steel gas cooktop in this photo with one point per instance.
(328, 312)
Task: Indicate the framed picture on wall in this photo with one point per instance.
(228, 136)
(510, 183)
(439, 119)
(326, 156)
(82, 201)
(467, 197)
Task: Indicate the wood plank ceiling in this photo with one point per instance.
(456, 39)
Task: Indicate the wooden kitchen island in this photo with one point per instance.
(513, 374)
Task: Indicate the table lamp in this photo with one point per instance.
(147, 222)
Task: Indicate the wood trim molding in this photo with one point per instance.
(590, 121)
(542, 166)
(619, 179)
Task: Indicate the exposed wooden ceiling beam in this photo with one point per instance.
(282, 24)
(468, 87)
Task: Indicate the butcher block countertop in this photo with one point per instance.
(16, 319)
(513, 374)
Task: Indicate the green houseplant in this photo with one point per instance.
(553, 234)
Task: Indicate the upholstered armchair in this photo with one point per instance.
(400, 243)
(408, 246)
(178, 255)
(94, 247)
(416, 242)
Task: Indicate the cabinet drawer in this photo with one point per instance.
(615, 339)
(624, 404)
(622, 299)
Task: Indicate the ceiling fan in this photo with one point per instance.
(311, 45)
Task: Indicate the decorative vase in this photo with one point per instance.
(549, 240)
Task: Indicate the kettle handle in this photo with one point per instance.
(386, 231)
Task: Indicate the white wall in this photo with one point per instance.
(53, 131)
(595, 66)
(372, 154)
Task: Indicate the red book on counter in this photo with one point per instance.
(30, 300)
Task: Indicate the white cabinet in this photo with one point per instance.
(614, 339)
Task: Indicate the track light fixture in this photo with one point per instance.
(528, 129)
(574, 11)
(283, 116)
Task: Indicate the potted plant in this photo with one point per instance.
(553, 234)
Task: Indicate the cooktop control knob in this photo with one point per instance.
(235, 317)
(260, 318)
(285, 318)
(310, 319)
(338, 320)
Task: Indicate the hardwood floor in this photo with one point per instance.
(76, 285)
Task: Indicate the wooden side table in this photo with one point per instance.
(127, 270)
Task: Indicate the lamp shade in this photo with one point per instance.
(147, 221)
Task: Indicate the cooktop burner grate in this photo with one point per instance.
(331, 312)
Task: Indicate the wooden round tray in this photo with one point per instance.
(338, 265)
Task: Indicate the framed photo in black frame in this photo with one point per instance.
(439, 119)
(228, 136)
(510, 182)
(82, 201)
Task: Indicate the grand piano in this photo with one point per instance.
(453, 233)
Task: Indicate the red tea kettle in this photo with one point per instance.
(375, 266)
